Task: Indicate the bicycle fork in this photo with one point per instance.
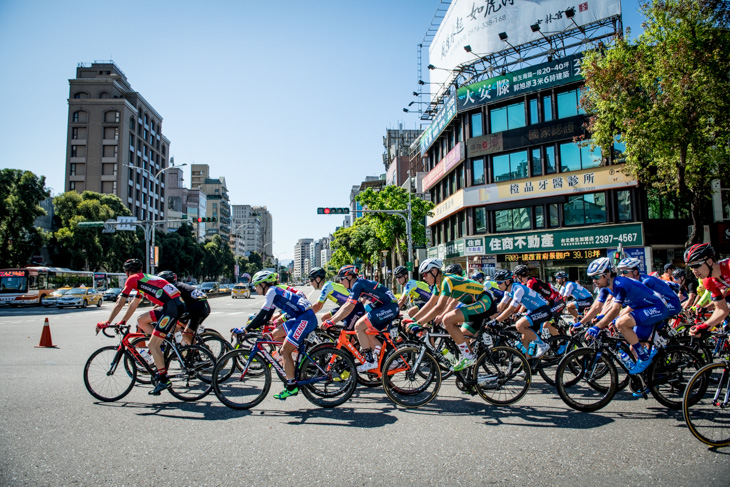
(724, 379)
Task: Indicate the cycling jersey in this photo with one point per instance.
(718, 284)
(378, 294)
(417, 290)
(493, 287)
(460, 288)
(194, 298)
(689, 287)
(292, 290)
(290, 303)
(662, 288)
(335, 292)
(544, 289)
(156, 289)
(634, 294)
(574, 289)
(521, 294)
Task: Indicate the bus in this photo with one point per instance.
(28, 285)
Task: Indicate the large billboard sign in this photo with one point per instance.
(478, 23)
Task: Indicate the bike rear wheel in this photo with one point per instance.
(503, 375)
(333, 373)
(408, 382)
(236, 389)
(706, 408)
(192, 379)
(669, 373)
(106, 378)
(586, 381)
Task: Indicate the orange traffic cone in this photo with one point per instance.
(46, 341)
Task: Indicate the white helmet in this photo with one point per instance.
(429, 264)
(599, 266)
(629, 263)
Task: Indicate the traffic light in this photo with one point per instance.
(333, 211)
(211, 219)
(616, 258)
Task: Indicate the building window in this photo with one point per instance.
(79, 116)
(129, 192)
(111, 117)
(507, 118)
(534, 117)
(536, 162)
(477, 171)
(109, 151)
(108, 169)
(550, 165)
(111, 133)
(72, 186)
(78, 151)
(511, 220)
(623, 198)
(547, 108)
(554, 215)
(72, 171)
(539, 217)
(480, 220)
(585, 209)
(104, 94)
(574, 157)
(569, 104)
(78, 133)
(477, 127)
(81, 94)
(506, 167)
(107, 187)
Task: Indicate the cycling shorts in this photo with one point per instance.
(538, 316)
(583, 304)
(168, 315)
(193, 318)
(298, 328)
(381, 316)
(476, 313)
(354, 315)
(557, 307)
(646, 318)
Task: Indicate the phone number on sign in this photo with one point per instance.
(622, 237)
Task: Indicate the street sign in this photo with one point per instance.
(109, 227)
(126, 228)
(409, 266)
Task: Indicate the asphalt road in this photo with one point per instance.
(52, 432)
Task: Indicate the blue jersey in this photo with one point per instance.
(574, 289)
(634, 294)
(288, 302)
(378, 294)
(520, 294)
(663, 289)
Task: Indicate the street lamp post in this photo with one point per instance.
(151, 250)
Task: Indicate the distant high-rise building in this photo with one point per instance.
(111, 126)
(302, 252)
(218, 205)
(245, 230)
(267, 231)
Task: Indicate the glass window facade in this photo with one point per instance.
(550, 165)
(480, 220)
(574, 157)
(569, 104)
(536, 162)
(547, 108)
(623, 199)
(477, 127)
(534, 117)
(585, 209)
(507, 118)
(506, 167)
(477, 172)
(511, 220)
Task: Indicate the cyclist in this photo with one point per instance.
(642, 309)
(335, 292)
(715, 276)
(629, 267)
(170, 307)
(383, 310)
(687, 287)
(454, 269)
(582, 297)
(197, 308)
(416, 292)
(460, 300)
(517, 294)
(295, 329)
(478, 276)
(552, 296)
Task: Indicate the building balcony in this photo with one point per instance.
(109, 159)
(110, 141)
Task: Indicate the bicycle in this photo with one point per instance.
(706, 402)
(242, 377)
(189, 368)
(587, 378)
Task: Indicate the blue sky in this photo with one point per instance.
(289, 101)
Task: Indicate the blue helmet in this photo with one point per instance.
(599, 266)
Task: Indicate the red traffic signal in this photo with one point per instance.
(333, 211)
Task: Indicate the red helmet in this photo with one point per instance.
(346, 271)
(698, 252)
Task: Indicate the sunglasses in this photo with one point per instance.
(696, 265)
(499, 282)
(599, 276)
(400, 277)
(626, 271)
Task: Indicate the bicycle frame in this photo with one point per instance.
(343, 341)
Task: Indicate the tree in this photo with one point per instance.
(21, 193)
(667, 95)
(89, 248)
(217, 259)
(354, 244)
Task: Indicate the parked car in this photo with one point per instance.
(209, 287)
(241, 290)
(80, 297)
(112, 293)
(51, 299)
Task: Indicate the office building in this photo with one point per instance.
(217, 205)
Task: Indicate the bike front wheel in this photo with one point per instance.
(503, 375)
(706, 406)
(191, 377)
(110, 374)
(586, 381)
(669, 373)
(411, 377)
(327, 376)
(241, 388)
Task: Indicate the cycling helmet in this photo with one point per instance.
(133, 265)
(502, 275)
(346, 271)
(477, 275)
(698, 252)
(629, 263)
(561, 275)
(169, 276)
(599, 266)
(400, 271)
(429, 264)
(264, 276)
(455, 269)
(679, 273)
(521, 270)
(317, 272)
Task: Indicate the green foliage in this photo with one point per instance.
(217, 259)
(89, 248)
(251, 264)
(21, 193)
(667, 95)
